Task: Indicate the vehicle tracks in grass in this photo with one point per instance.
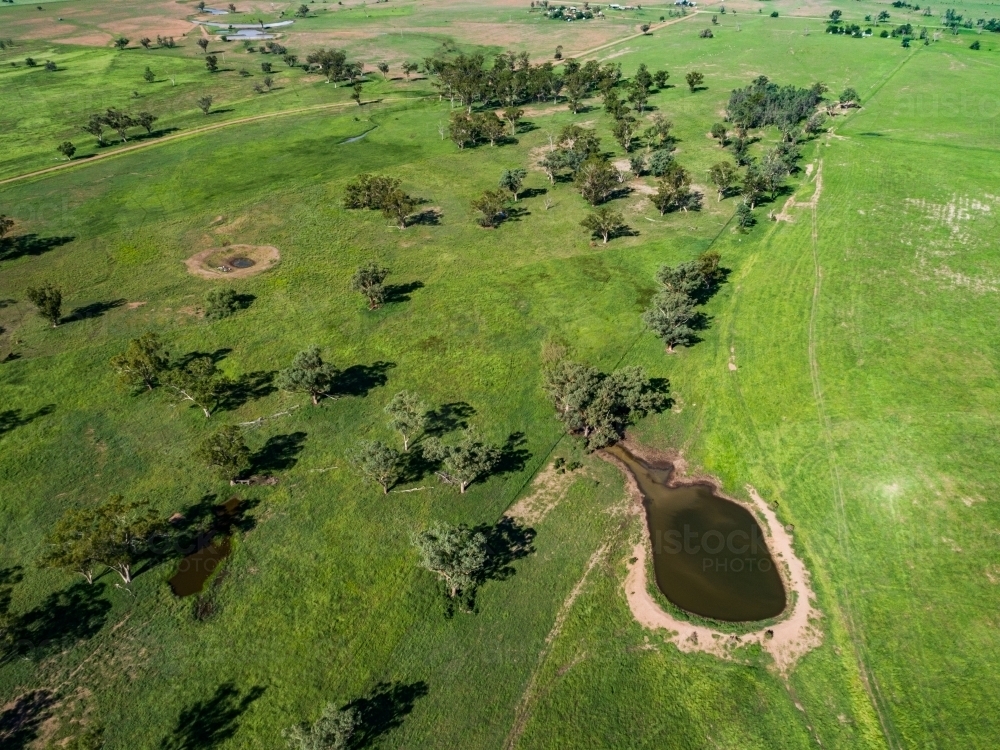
(197, 131)
(522, 714)
(867, 676)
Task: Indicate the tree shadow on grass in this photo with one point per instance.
(710, 289)
(401, 292)
(384, 709)
(217, 356)
(414, 465)
(248, 387)
(93, 310)
(11, 419)
(516, 213)
(506, 542)
(430, 217)
(158, 133)
(30, 244)
(199, 524)
(358, 380)
(531, 193)
(243, 301)
(279, 453)
(21, 722)
(513, 456)
(75, 614)
(209, 723)
(448, 418)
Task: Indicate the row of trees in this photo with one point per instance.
(334, 65)
(120, 122)
(513, 80)
(459, 464)
(467, 129)
(408, 69)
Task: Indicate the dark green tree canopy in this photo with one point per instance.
(597, 405)
(765, 103)
(142, 363)
(457, 554)
(308, 373)
(47, 299)
(226, 452)
(115, 534)
(368, 281)
(369, 191)
(198, 381)
(377, 462)
(462, 464)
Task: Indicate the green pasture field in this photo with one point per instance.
(863, 332)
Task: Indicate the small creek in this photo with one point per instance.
(709, 553)
(196, 568)
(356, 138)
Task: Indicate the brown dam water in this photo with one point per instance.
(709, 553)
(211, 549)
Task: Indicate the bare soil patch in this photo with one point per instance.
(211, 263)
(547, 491)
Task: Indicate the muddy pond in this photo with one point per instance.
(211, 548)
(709, 553)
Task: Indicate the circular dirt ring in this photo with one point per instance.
(232, 261)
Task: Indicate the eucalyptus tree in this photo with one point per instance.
(377, 462)
(198, 381)
(723, 175)
(308, 373)
(47, 300)
(456, 554)
(596, 180)
(368, 281)
(511, 180)
(604, 222)
(143, 362)
(463, 463)
(408, 415)
(226, 452)
(599, 406)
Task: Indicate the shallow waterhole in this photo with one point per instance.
(196, 568)
(709, 553)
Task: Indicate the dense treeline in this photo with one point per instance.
(765, 103)
(512, 80)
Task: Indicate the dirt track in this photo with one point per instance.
(187, 133)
